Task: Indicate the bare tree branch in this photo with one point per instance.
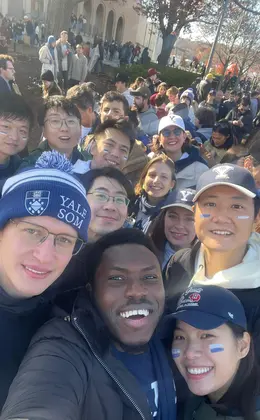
(246, 9)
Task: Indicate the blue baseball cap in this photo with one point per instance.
(227, 174)
(180, 198)
(209, 307)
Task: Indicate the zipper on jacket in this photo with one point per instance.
(108, 370)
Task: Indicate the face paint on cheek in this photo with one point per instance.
(125, 158)
(243, 217)
(176, 353)
(105, 150)
(205, 216)
(216, 348)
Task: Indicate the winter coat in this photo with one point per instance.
(199, 409)
(47, 61)
(186, 268)
(29, 28)
(4, 86)
(189, 169)
(60, 55)
(203, 90)
(136, 162)
(79, 68)
(247, 120)
(217, 153)
(150, 85)
(149, 121)
(69, 373)
(204, 133)
(19, 321)
(10, 168)
(30, 160)
(183, 111)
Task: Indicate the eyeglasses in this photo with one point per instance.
(176, 132)
(104, 198)
(32, 235)
(56, 123)
(10, 68)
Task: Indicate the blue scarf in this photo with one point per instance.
(166, 387)
(51, 50)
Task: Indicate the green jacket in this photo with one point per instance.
(31, 159)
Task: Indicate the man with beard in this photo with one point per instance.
(104, 360)
(149, 121)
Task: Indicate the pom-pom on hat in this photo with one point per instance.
(49, 189)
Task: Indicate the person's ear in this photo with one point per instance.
(173, 183)
(126, 118)
(244, 345)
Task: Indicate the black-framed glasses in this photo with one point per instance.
(103, 197)
(56, 123)
(176, 132)
(33, 235)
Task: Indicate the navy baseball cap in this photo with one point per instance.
(180, 198)
(227, 174)
(209, 307)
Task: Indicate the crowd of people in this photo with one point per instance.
(129, 248)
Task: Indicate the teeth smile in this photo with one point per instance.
(128, 314)
(199, 371)
(112, 163)
(34, 271)
(222, 232)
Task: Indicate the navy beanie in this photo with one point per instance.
(49, 189)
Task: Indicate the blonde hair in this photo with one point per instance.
(173, 90)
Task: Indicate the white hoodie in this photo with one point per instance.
(245, 275)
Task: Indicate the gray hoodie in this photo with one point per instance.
(149, 121)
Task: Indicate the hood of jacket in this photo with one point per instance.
(149, 121)
(205, 131)
(194, 156)
(245, 275)
(182, 110)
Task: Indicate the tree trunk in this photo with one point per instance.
(168, 44)
(59, 12)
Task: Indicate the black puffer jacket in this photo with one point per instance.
(69, 373)
(19, 321)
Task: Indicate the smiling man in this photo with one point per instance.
(106, 363)
(226, 205)
(44, 218)
(111, 145)
(60, 119)
(16, 121)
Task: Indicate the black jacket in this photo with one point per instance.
(69, 373)
(4, 87)
(247, 120)
(178, 275)
(19, 321)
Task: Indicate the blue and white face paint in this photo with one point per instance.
(176, 353)
(216, 348)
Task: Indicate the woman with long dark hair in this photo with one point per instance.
(214, 353)
(220, 141)
(174, 229)
(156, 181)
